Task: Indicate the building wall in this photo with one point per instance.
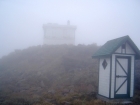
(129, 50)
(59, 34)
(132, 76)
(104, 78)
(113, 74)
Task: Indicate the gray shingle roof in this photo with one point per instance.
(112, 45)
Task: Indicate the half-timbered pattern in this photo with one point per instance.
(116, 68)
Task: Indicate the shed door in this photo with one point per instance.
(122, 77)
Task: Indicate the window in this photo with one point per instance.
(123, 46)
(104, 64)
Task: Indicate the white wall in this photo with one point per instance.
(113, 75)
(58, 41)
(129, 50)
(132, 76)
(59, 34)
(104, 78)
(118, 50)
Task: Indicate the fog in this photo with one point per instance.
(97, 21)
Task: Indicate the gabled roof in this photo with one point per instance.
(112, 45)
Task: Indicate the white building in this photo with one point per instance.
(116, 68)
(55, 34)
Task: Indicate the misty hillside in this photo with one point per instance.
(52, 74)
(39, 70)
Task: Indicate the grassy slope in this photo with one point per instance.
(50, 74)
(40, 70)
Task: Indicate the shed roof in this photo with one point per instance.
(112, 45)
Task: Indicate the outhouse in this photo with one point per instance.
(116, 68)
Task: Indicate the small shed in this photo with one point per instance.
(116, 68)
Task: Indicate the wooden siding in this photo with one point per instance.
(132, 76)
(104, 78)
(113, 75)
(122, 72)
(129, 50)
(119, 50)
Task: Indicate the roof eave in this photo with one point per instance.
(101, 56)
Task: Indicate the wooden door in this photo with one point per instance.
(122, 76)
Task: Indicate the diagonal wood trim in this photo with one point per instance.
(122, 67)
(121, 85)
(120, 76)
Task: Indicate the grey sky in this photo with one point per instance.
(97, 21)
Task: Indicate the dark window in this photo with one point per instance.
(123, 46)
(104, 64)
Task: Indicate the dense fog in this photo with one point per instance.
(97, 21)
(47, 47)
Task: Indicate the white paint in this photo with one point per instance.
(118, 50)
(59, 34)
(58, 42)
(129, 50)
(104, 78)
(123, 89)
(132, 76)
(123, 51)
(121, 72)
(113, 75)
(124, 64)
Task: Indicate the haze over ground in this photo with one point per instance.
(97, 21)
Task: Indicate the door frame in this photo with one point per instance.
(117, 96)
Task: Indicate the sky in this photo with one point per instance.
(97, 21)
